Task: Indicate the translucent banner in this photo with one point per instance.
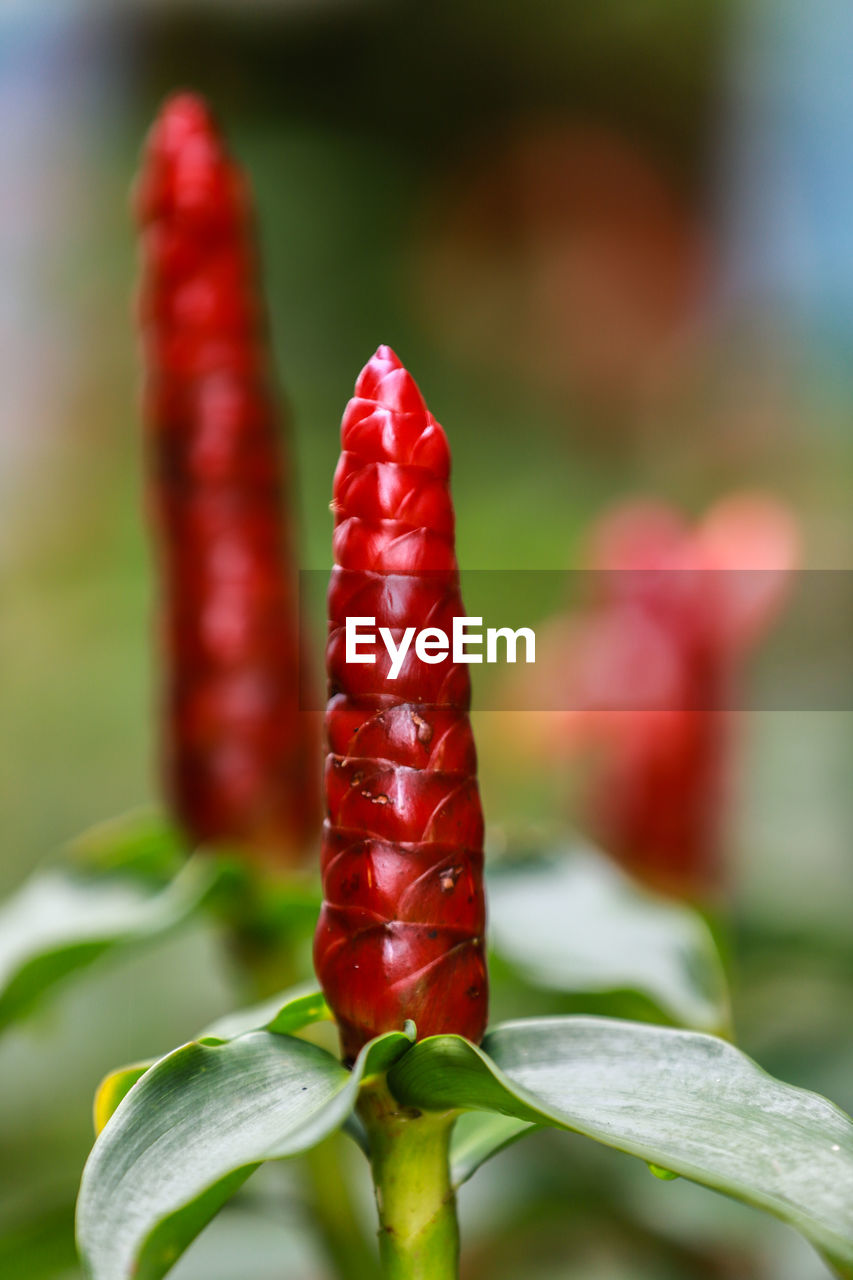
(547, 640)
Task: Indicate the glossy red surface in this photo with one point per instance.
(401, 934)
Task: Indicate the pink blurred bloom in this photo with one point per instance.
(653, 671)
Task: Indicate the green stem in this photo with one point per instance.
(410, 1161)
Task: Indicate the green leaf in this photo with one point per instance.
(284, 906)
(283, 1014)
(114, 1088)
(60, 921)
(688, 1103)
(142, 843)
(576, 923)
(479, 1135)
(193, 1128)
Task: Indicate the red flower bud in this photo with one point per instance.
(679, 608)
(239, 759)
(401, 934)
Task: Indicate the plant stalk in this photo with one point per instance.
(410, 1162)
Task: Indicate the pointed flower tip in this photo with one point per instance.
(386, 355)
(183, 115)
(385, 380)
(186, 166)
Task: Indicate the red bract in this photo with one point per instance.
(678, 609)
(401, 931)
(239, 756)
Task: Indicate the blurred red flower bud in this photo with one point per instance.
(239, 754)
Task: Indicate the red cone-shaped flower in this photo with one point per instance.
(679, 609)
(239, 759)
(401, 931)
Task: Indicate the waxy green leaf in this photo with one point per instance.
(142, 843)
(285, 1014)
(194, 1127)
(688, 1103)
(479, 1135)
(114, 1088)
(60, 921)
(575, 923)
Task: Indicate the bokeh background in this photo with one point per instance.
(614, 243)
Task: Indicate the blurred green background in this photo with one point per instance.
(614, 244)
